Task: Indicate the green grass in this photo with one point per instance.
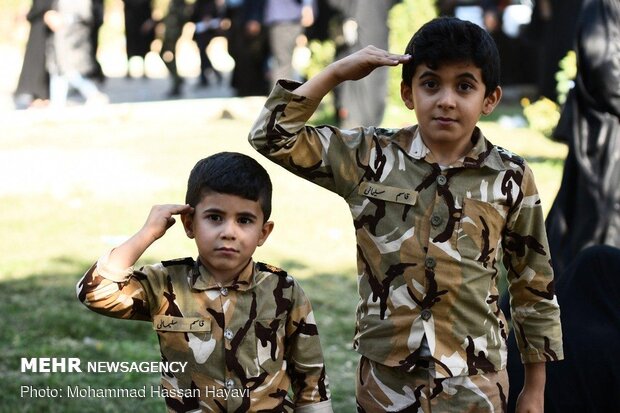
(73, 188)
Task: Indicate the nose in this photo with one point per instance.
(447, 99)
(228, 230)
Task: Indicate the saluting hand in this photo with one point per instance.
(352, 67)
(161, 218)
(361, 63)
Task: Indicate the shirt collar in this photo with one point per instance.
(483, 153)
(201, 279)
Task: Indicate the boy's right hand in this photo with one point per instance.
(352, 67)
(361, 63)
(161, 218)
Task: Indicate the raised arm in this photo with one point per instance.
(112, 288)
(353, 67)
(160, 219)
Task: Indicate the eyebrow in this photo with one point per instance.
(222, 212)
(467, 75)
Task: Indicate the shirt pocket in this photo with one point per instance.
(191, 335)
(480, 229)
(269, 335)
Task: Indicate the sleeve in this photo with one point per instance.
(534, 306)
(121, 293)
(324, 155)
(304, 357)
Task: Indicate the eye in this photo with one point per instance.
(245, 220)
(465, 87)
(430, 84)
(214, 217)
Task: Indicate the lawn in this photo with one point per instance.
(76, 185)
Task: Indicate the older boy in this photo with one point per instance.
(434, 207)
(245, 329)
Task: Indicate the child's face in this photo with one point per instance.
(448, 102)
(227, 229)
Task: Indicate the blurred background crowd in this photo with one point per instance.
(72, 46)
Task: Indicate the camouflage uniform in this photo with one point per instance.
(429, 240)
(387, 389)
(256, 335)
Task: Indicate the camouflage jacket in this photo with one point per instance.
(246, 343)
(429, 240)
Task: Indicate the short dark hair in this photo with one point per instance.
(230, 173)
(449, 39)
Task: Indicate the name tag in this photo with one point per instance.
(388, 193)
(170, 323)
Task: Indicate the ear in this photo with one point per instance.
(265, 231)
(491, 101)
(406, 94)
(188, 224)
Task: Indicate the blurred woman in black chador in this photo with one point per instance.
(586, 210)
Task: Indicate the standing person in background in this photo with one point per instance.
(208, 16)
(33, 84)
(175, 19)
(285, 21)
(248, 46)
(69, 52)
(362, 103)
(139, 30)
(234, 34)
(586, 210)
(98, 14)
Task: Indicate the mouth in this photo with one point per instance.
(444, 119)
(226, 250)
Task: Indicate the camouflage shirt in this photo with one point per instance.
(245, 343)
(429, 239)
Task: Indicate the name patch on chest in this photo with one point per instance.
(388, 193)
(170, 323)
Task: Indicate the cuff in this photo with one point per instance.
(321, 407)
(110, 272)
(287, 85)
(283, 92)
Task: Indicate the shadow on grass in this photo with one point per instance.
(43, 318)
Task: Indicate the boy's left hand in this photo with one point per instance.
(529, 402)
(532, 397)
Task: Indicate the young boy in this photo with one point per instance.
(435, 207)
(245, 330)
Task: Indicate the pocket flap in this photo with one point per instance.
(181, 324)
(388, 193)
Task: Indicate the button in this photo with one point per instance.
(426, 314)
(442, 180)
(430, 262)
(436, 220)
(224, 291)
(228, 334)
(230, 383)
